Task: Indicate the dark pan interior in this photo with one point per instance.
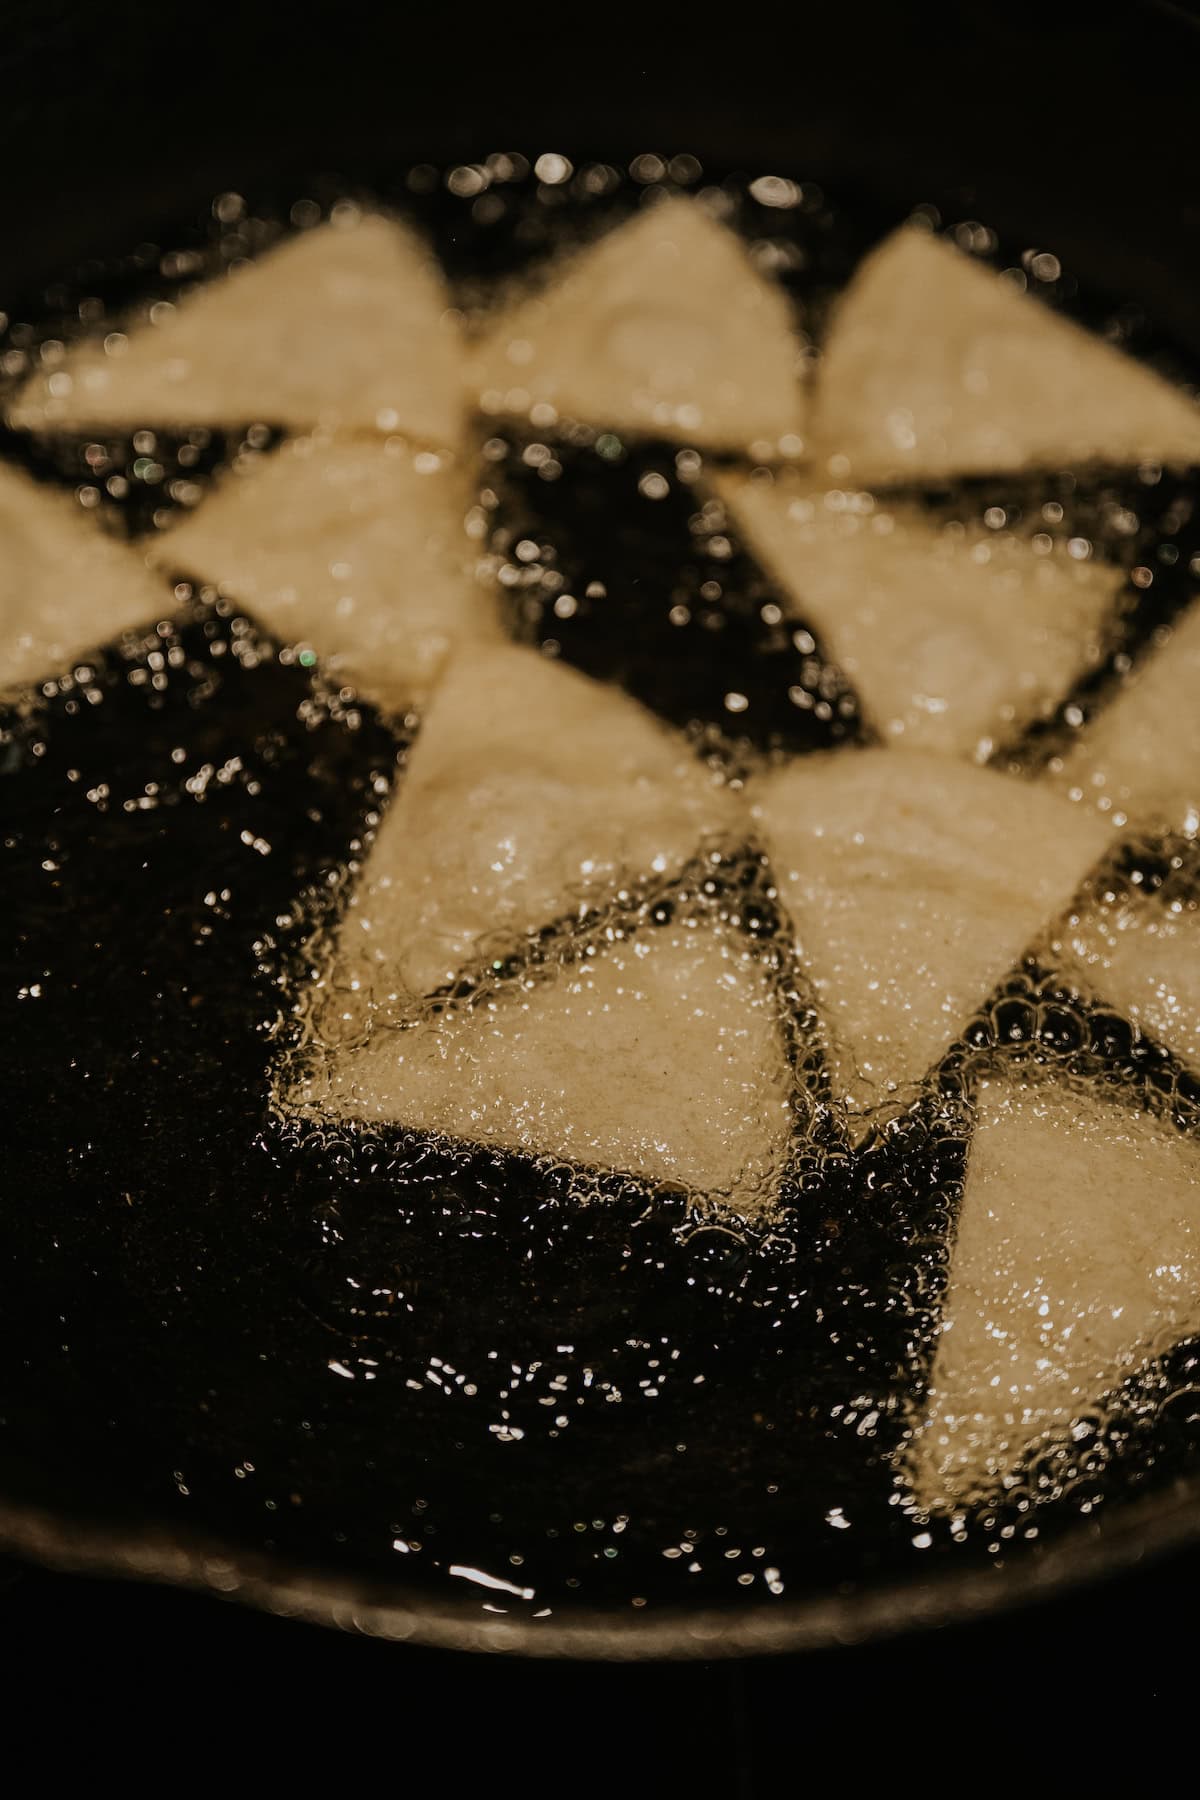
(1057, 127)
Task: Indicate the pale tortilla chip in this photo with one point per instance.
(953, 638)
(659, 1057)
(914, 884)
(1076, 1261)
(356, 549)
(531, 792)
(340, 326)
(663, 327)
(66, 587)
(938, 366)
(1139, 758)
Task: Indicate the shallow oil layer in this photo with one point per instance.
(370, 1349)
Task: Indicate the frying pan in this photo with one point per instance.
(1054, 125)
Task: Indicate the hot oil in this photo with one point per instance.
(461, 1353)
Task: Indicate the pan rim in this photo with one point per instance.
(1141, 1532)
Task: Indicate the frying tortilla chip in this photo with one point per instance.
(355, 549)
(938, 366)
(913, 884)
(1139, 758)
(531, 792)
(66, 588)
(663, 327)
(954, 638)
(659, 1057)
(1077, 1258)
(340, 326)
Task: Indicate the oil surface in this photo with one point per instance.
(486, 1368)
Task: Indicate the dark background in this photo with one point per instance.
(1071, 125)
(1063, 1698)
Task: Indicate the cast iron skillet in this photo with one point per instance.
(1058, 129)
